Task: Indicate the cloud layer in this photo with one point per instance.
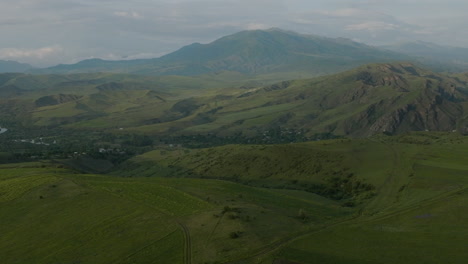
(47, 32)
(40, 53)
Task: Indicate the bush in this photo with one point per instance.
(234, 235)
(302, 215)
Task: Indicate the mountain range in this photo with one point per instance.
(13, 66)
(374, 98)
(285, 54)
(252, 52)
(438, 57)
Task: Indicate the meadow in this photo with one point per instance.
(160, 208)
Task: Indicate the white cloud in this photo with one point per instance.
(132, 14)
(112, 56)
(347, 12)
(373, 26)
(255, 26)
(40, 53)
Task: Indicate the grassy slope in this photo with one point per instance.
(430, 233)
(90, 218)
(126, 105)
(419, 211)
(395, 97)
(50, 215)
(307, 162)
(425, 222)
(65, 221)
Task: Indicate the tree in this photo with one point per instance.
(302, 215)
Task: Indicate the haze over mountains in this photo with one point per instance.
(261, 52)
(257, 52)
(13, 66)
(438, 57)
(248, 52)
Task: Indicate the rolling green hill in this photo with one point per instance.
(188, 206)
(25, 95)
(91, 218)
(392, 98)
(375, 98)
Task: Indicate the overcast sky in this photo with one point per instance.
(48, 32)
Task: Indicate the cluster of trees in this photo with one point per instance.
(276, 135)
(26, 144)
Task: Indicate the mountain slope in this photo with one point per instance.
(376, 98)
(249, 52)
(392, 98)
(438, 57)
(13, 66)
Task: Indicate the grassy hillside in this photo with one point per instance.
(375, 98)
(61, 99)
(392, 98)
(420, 182)
(361, 167)
(426, 222)
(313, 167)
(51, 215)
(244, 204)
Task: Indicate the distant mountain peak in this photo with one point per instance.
(256, 52)
(13, 66)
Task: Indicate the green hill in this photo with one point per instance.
(188, 206)
(52, 215)
(24, 96)
(392, 98)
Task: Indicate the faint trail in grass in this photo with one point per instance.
(355, 220)
(145, 247)
(282, 242)
(182, 226)
(389, 185)
(216, 226)
(188, 243)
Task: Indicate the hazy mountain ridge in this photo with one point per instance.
(248, 52)
(438, 57)
(13, 66)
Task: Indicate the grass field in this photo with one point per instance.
(187, 206)
(76, 218)
(63, 221)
